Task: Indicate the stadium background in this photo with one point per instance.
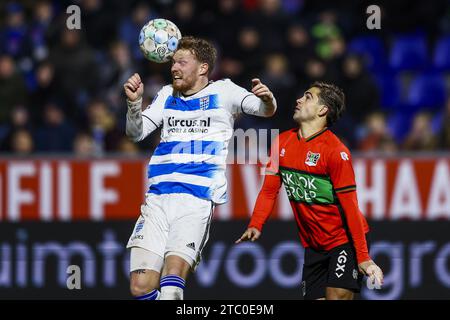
(71, 183)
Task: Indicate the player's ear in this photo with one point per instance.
(323, 110)
(204, 67)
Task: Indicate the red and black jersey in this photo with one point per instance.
(318, 176)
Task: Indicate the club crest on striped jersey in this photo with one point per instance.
(312, 158)
(204, 103)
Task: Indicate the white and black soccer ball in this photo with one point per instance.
(158, 40)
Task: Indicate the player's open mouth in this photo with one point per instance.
(176, 77)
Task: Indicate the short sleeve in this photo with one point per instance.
(243, 101)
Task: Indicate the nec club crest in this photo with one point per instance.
(204, 103)
(312, 158)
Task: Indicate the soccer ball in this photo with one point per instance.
(158, 40)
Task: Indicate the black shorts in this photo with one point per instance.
(337, 268)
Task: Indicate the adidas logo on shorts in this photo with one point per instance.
(191, 245)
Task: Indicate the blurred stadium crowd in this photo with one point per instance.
(61, 90)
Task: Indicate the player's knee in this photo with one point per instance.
(339, 294)
(136, 291)
(140, 286)
(139, 289)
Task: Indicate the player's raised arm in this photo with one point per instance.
(259, 102)
(134, 89)
(139, 124)
(269, 105)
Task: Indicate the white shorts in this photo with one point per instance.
(173, 224)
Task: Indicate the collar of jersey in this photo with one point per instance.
(190, 95)
(314, 135)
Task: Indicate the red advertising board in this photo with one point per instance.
(63, 189)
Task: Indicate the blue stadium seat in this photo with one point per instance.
(427, 91)
(399, 124)
(437, 122)
(371, 48)
(408, 53)
(441, 58)
(390, 89)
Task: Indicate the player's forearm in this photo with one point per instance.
(256, 106)
(268, 108)
(265, 201)
(134, 127)
(349, 203)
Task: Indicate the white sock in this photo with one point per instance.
(171, 293)
(172, 287)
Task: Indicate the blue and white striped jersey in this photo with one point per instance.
(196, 129)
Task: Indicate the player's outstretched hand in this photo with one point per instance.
(370, 269)
(261, 90)
(251, 234)
(134, 88)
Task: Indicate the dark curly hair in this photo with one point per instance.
(202, 49)
(333, 97)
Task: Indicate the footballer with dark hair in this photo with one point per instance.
(316, 170)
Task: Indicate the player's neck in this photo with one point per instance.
(199, 85)
(308, 129)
